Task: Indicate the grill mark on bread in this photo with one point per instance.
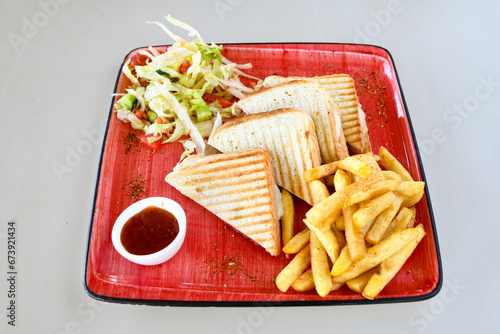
(284, 162)
(342, 89)
(249, 208)
(305, 95)
(303, 192)
(274, 139)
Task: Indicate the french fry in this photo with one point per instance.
(287, 220)
(390, 175)
(372, 190)
(367, 227)
(299, 241)
(372, 209)
(382, 222)
(357, 284)
(336, 286)
(354, 236)
(331, 207)
(327, 239)
(378, 253)
(328, 180)
(304, 282)
(343, 262)
(411, 222)
(319, 239)
(356, 166)
(370, 159)
(404, 219)
(390, 266)
(320, 267)
(340, 224)
(391, 163)
(321, 171)
(410, 189)
(319, 191)
(341, 180)
(294, 269)
(340, 236)
(411, 201)
(361, 234)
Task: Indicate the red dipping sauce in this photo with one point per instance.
(149, 231)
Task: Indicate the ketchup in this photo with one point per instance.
(149, 231)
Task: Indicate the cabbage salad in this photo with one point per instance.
(187, 90)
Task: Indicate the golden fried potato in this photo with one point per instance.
(319, 191)
(391, 163)
(371, 191)
(327, 239)
(382, 222)
(320, 172)
(390, 267)
(410, 189)
(341, 180)
(343, 262)
(297, 242)
(372, 209)
(357, 284)
(404, 219)
(320, 267)
(287, 221)
(411, 201)
(339, 223)
(356, 166)
(340, 236)
(354, 236)
(378, 253)
(331, 207)
(370, 159)
(304, 282)
(390, 175)
(294, 269)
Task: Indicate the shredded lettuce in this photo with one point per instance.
(183, 91)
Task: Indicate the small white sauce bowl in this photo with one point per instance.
(166, 253)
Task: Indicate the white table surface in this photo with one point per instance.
(59, 62)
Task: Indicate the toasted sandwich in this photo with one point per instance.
(237, 187)
(288, 134)
(343, 92)
(310, 97)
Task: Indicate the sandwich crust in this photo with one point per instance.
(342, 90)
(314, 100)
(239, 188)
(288, 134)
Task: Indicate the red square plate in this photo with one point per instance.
(217, 265)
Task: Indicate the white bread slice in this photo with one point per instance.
(239, 188)
(310, 97)
(343, 92)
(288, 134)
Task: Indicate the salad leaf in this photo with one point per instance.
(186, 90)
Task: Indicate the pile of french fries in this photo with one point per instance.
(361, 235)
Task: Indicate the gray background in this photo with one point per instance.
(55, 86)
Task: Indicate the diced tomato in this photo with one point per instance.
(184, 66)
(159, 120)
(139, 113)
(209, 98)
(224, 103)
(154, 145)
